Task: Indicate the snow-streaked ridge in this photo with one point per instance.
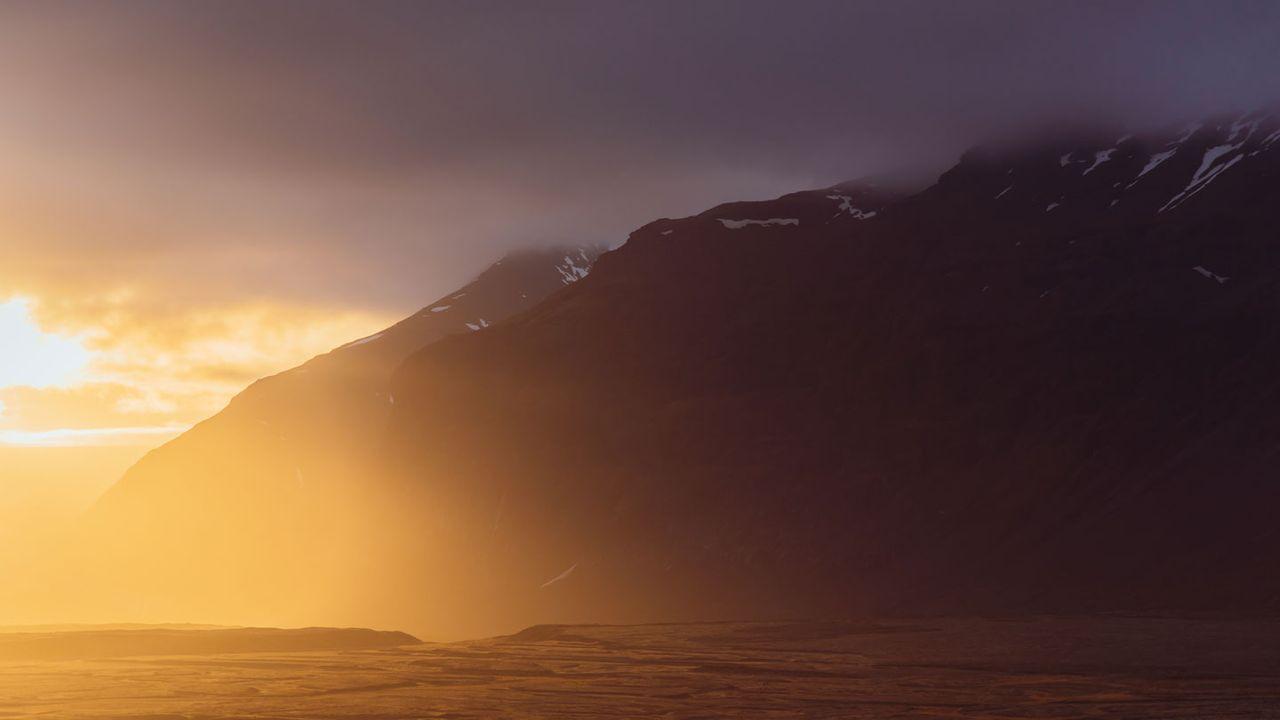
(574, 268)
(846, 206)
(739, 224)
(363, 340)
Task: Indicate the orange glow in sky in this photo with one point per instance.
(118, 372)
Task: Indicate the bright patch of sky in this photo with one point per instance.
(32, 357)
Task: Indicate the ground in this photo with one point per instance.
(1113, 667)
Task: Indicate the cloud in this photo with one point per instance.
(34, 358)
(200, 187)
(95, 437)
(151, 365)
(377, 152)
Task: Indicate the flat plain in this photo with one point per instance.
(1044, 667)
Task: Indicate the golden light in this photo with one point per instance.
(31, 357)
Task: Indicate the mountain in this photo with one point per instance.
(1044, 383)
(282, 467)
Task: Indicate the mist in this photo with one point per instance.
(371, 153)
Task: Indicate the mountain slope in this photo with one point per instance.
(1044, 383)
(266, 493)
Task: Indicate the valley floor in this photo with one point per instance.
(1114, 667)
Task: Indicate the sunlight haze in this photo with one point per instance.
(639, 359)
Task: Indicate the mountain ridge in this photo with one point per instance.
(999, 413)
(275, 471)
(1040, 384)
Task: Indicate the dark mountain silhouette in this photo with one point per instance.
(1045, 383)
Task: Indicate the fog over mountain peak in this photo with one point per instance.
(594, 117)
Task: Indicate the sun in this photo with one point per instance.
(31, 357)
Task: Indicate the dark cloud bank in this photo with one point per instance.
(388, 149)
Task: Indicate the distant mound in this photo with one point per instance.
(170, 640)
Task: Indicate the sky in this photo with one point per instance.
(197, 194)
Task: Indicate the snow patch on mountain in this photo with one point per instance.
(1152, 164)
(1210, 274)
(846, 206)
(739, 224)
(1098, 158)
(573, 268)
(1209, 169)
(1245, 128)
(363, 340)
